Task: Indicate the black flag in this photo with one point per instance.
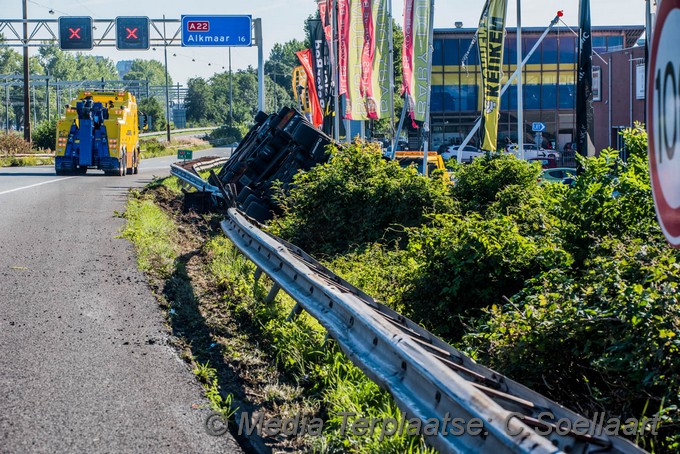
(321, 68)
(584, 87)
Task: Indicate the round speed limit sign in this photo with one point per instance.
(663, 118)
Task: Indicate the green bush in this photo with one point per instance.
(12, 144)
(226, 134)
(45, 135)
(605, 338)
(465, 263)
(609, 196)
(479, 183)
(152, 148)
(355, 199)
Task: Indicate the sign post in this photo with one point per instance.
(663, 118)
(185, 154)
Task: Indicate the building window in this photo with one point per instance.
(510, 52)
(473, 57)
(614, 43)
(451, 52)
(532, 90)
(437, 52)
(529, 43)
(567, 90)
(640, 82)
(597, 83)
(550, 50)
(600, 44)
(567, 49)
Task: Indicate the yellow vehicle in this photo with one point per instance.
(99, 129)
(434, 161)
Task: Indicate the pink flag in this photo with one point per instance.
(367, 56)
(343, 44)
(407, 49)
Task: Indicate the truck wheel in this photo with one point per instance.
(135, 164)
(121, 166)
(82, 170)
(59, 172)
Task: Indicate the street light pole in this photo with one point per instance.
(231, 93)
(520, 95)
(167, 89)
(27, 97)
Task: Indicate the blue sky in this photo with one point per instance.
(283, 20)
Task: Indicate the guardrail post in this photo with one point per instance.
(257, 275)
(272, 293)
(297, 310)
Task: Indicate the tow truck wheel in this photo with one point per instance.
(135, 164)
(121, 166)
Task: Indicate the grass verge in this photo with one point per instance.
(25, 162)
(153, 148)
(245, 352)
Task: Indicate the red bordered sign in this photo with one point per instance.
(663, 119)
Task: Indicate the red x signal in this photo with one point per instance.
(131, 33)
(74, 33)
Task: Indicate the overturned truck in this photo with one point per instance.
(275, 149)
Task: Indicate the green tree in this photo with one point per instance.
(154, 109)
(199, 100)
(281, 62)
(151, 70)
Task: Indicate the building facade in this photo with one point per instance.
(549, 83)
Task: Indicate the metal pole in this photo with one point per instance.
(426, 124)
(47, 96)
(35, 113)
(520, 94)
(401, 123)
(27, 97)
(167, 89)
(58, 95)
(231, 93)
(514, 76)
(6, 106)
(390, 38)
(260, 63)
(336, 73)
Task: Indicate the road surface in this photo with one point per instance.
(85, 364)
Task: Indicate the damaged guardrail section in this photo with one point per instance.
(427, 377)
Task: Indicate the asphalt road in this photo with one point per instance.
(85, 364)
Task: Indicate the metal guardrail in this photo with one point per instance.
(27, 155)
(426, 376)
(192, 178)
(176, 131)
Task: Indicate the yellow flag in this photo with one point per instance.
(491, 38)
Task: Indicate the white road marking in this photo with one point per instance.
(34, 185)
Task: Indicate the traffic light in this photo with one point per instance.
(75, 33)
(132, 33)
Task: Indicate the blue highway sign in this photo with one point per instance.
(537, 126)
(226, 31)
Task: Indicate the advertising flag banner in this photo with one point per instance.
(367, 58)
(343, 44)
(584, 84)
(381, 59)
(491, 39)
(305, 57)
(355, 107)
(320, 64)
(416, 56)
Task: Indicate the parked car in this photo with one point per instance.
(558, 175)
(469, 153)
(532, 151)
(402, 145)
(546, 163)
